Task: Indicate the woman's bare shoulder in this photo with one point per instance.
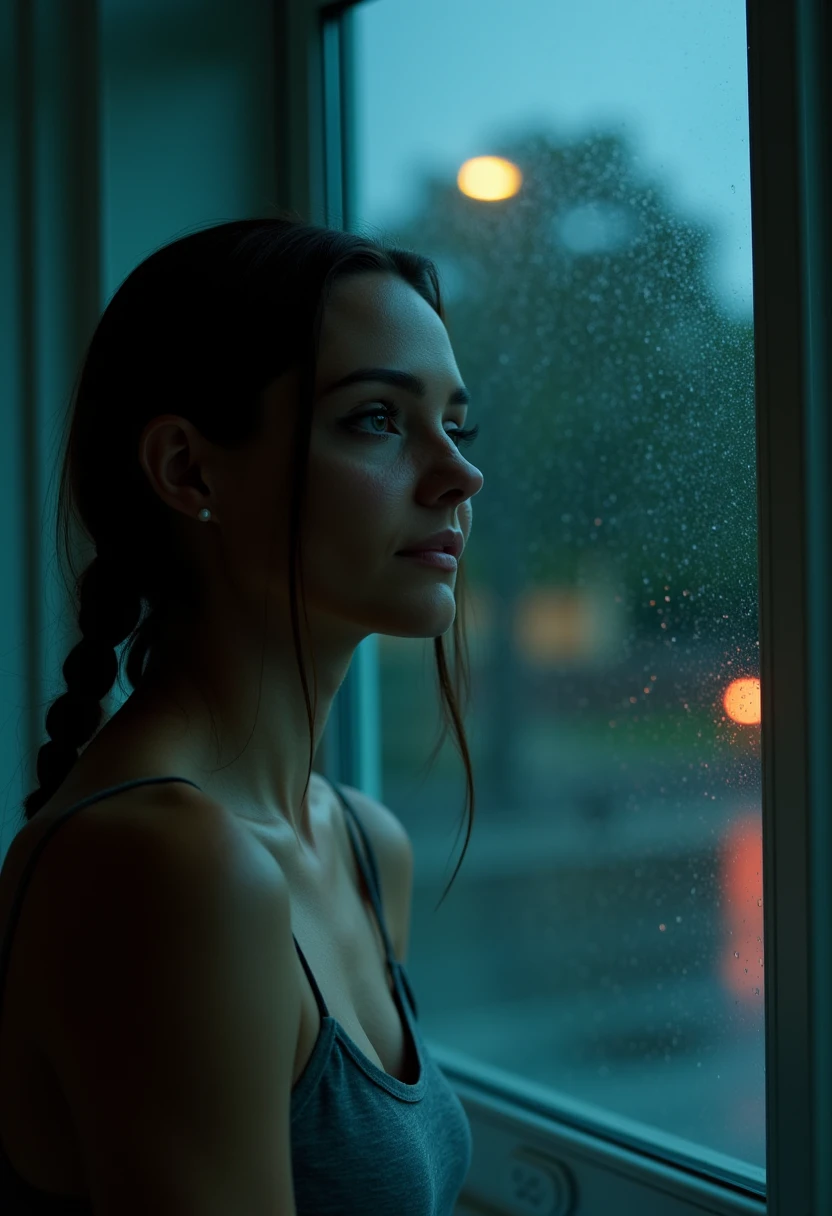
(153, 815)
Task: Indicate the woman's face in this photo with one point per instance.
(376, 485)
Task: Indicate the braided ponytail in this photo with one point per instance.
(109, 612)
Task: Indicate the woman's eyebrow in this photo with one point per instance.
(408, 381)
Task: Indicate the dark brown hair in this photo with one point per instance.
(199, 329)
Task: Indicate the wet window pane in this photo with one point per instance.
(580, 175)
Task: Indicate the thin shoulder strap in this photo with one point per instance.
(369, 869)
(41, 845)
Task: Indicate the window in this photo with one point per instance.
(581, 176)
(605, 933)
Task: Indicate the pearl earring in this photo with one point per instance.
(204, 513)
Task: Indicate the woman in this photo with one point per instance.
(167, 1045)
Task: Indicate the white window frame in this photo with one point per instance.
(606, 1166)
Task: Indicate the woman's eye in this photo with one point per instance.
(390, 412)
(385, 414)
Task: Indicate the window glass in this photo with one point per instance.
(580, 175)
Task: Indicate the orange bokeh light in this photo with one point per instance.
(489, 178)
(741, 872)
(742, 702)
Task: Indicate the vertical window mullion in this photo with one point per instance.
(790, 163)
(353, 752)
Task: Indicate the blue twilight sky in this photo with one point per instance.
(441, 80)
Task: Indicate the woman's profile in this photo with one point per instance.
(204, 1005)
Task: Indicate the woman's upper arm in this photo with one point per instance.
(174, 1016)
